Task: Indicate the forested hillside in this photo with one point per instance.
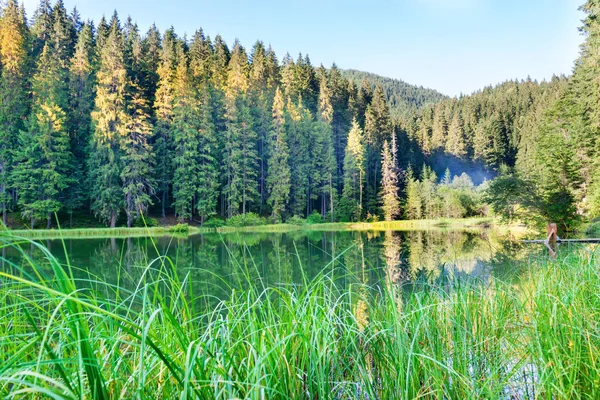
(103, 119)
(486, 129)
(402, 97)
(125, 124)
(541, 138)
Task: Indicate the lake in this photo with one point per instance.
(216, 263)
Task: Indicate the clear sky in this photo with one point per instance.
(454, 46)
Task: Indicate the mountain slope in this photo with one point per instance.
(402, 97)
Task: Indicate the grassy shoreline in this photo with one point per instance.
(405, 225)
(82, 233)
(465, 339)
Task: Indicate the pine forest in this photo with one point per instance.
(101, 120)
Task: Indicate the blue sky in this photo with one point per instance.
(455, 46)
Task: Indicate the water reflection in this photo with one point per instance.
(214, 264)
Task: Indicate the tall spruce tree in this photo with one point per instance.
(137, 158)
(240, 155)
(378, 127)
(261, 81)
(149, 62)
(323, 153)
(278, 180)
(81, 93)
(351, 206)
(185, 140)
(389, 184)
(136, 152)
(414, 204)
(13, 98)
(455, 143)
(44, 159)
(81, 78)
(207, 194)
(299, 134)
(163, 105)
(110, 120)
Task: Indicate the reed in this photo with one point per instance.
(68, 338)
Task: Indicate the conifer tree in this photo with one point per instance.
(455, 143)
(62, 34)
(102, 33)
(323, 154)
(300, 132)
(218, 83)
(354, 172)
(207, 192)
(439, 130)
(201, 55)
(137, 159)
(260, 96)
(44, 159)
(81, 103)
(219, 67)
(13, 99)
(378, 127)
(343, 112)
(136, 152)
(414, 202)
(240, 156)
(185, 140)
(431, 207)
(149, 62)
(81, 92)
(110, 120)
(389, 184)
(278, 181)
(42, 26)
(163, 105)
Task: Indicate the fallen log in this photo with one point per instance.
(544, 241)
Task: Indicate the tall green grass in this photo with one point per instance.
(67, 338)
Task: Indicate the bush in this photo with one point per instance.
(314, 218)
(179, 228)
(214, 223)
(296, 220)
(248, 219)
(146, 222)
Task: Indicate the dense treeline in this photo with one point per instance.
(106, 120)
(557, 174)
(402, 97)
(486, 128)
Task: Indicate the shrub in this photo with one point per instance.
(248, 219)
(314, 218)
(214, 223)
(179, 228)
(146, 222)
(296, 220)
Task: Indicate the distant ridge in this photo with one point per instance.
(402, 97)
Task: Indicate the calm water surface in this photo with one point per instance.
(214, 264)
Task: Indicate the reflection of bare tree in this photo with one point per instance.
(391, 250)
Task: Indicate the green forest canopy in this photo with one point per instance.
(102, 118)
(402, 98)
